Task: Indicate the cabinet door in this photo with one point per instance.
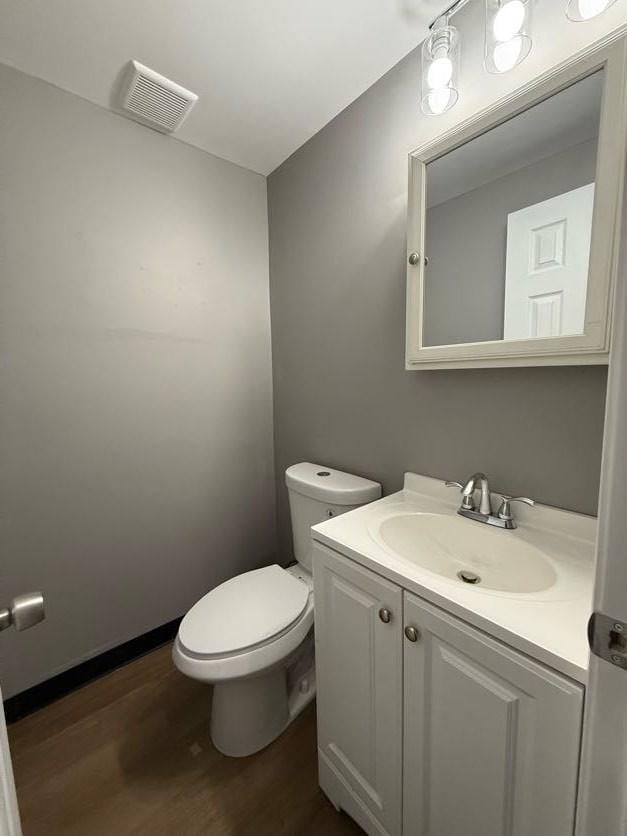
(359, 673)
(491, 744)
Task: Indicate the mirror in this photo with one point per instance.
(509, 222)
(502, 230)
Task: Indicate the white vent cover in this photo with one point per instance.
(154, 100)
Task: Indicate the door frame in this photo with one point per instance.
(9, 814)
(602, 806)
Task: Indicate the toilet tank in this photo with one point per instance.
(317, 493)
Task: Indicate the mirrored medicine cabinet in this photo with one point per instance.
(513, 222)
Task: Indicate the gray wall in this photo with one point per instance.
(135, 377)
(337, 212)
(466, 240)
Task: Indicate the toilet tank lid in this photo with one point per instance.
(332, 486)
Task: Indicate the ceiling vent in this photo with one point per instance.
(154, 100)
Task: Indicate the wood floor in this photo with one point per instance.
(130, 754)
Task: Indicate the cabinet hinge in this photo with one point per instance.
(607, 638)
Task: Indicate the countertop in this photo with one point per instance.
(549, 626)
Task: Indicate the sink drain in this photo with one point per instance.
(468, 577)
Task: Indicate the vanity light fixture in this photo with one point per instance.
(507, 33)
(579, 10)
(440, 67)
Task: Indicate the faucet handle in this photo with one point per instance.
(467, 503)
(505, 512)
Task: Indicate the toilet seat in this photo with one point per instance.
(245, 611)
(267, 639)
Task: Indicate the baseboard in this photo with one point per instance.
(58, 686)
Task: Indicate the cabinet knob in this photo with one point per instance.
(412, 634)
(385, 615)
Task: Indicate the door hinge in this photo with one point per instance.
(607, 638)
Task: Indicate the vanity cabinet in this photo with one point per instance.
(429, 727)
(359, 690)
(491, 738)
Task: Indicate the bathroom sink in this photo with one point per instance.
(468, 552)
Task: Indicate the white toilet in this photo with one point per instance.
(252, 636)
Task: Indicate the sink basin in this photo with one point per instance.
(468, 552)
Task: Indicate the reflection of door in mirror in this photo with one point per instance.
(546, 276)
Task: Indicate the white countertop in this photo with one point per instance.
(549, 626)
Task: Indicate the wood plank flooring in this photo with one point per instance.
(130, 754)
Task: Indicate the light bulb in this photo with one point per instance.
(592, 8)
(506, 55)
(509, 20)
(508, 39)
(439, 100)
(440, 65)
(440, 73)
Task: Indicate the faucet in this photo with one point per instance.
(502, 519)
(485, 506)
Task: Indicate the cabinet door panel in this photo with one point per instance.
(491, 737)
(359, 675)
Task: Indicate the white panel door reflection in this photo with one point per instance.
(546, 274)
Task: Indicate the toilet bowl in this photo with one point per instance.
(252, 636)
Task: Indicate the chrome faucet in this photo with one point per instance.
(502, 519)
(468, 491)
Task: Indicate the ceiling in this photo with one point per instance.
(269, 73)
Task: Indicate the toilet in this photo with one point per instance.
(252, 636)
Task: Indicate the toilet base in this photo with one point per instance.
(248, 714)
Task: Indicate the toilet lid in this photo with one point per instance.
(243, 611)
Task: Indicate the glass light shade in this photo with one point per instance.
(507, 33)
(579, 10)
(440, 69)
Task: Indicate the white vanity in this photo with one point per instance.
(448, 707)
(451, 649)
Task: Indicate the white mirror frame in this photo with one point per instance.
(591, 347)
